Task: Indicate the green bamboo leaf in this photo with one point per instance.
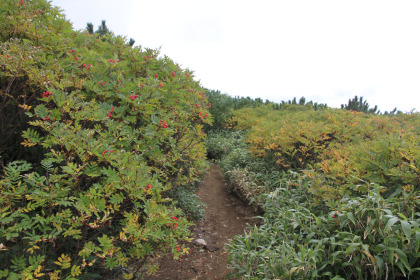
(403, 257)
(390, 223)
(353, 247)
(406, 227)
(379, 262)
(391, 255)
(350, 217)
(359, 271)
(417, 240)
(403, 216)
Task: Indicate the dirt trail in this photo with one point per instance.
(226, 216)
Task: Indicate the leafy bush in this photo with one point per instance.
(103, 131)
(220, 143)
(186, 198)
(345, 148)
(339, 190)
(364, 238)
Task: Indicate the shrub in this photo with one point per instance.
(186, 198)
(345, 148)
(106, 130)
(363, 238)
(339, 191)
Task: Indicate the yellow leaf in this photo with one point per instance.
(370, 257)
(37, 272)
(75, 271)
(27, 143)
(25, 107)
(63, 261)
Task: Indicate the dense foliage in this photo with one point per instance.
(339, 191)
(94, 133)
(223, 106)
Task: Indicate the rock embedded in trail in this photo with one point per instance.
(200, 242)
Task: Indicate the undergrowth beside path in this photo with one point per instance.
(313, 230)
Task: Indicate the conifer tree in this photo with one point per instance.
(89, 28)
(103, 30)
(359, 105)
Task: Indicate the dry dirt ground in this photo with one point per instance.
(226, 216)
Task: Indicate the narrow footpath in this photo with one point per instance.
(226, 216)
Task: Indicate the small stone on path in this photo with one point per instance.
(200, 242)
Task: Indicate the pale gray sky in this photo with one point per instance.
(328, 51)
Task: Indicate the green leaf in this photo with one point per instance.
(350, 217)
(403, 257)
(403, 216)
(353, 247)
(4, 273)
(390, 223)
(379, 262)
(406, 227)
(417, 240)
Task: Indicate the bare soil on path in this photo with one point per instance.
(226, 216)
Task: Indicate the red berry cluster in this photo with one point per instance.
(110, 112)
(72, 51)
(46, 119)
(46, 94)
(104, 153)
(198, 105)
(87, 66)
(176, 224)
(173, 73)
(148, 187)
(111, 60)
(203, 117)
(160, 85)
(163, 124)
(147, 57)
(132, 97)
(142, 86)
(156, 75)
(209, 105)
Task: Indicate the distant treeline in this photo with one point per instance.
(222, 106)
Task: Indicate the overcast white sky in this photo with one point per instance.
(327, 51)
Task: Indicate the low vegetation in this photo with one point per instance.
(339, 192)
